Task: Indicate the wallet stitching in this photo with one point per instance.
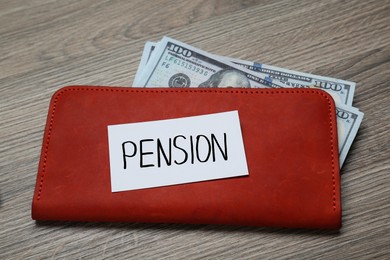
(235, 91)
(47, 144)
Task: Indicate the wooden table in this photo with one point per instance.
(45, 45)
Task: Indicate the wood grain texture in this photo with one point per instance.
(47, 44)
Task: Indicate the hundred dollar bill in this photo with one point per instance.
(348, 117)
(147, 52)
(176, 64)
(342, 91)
(348, 123)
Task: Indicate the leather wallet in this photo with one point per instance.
(290, 140)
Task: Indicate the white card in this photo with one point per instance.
(175, 151)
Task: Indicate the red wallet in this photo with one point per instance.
(290, 140)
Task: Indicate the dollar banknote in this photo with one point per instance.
(342, 91)
(147, 52)
(348, 123)
(154, 56)
(176, 64)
